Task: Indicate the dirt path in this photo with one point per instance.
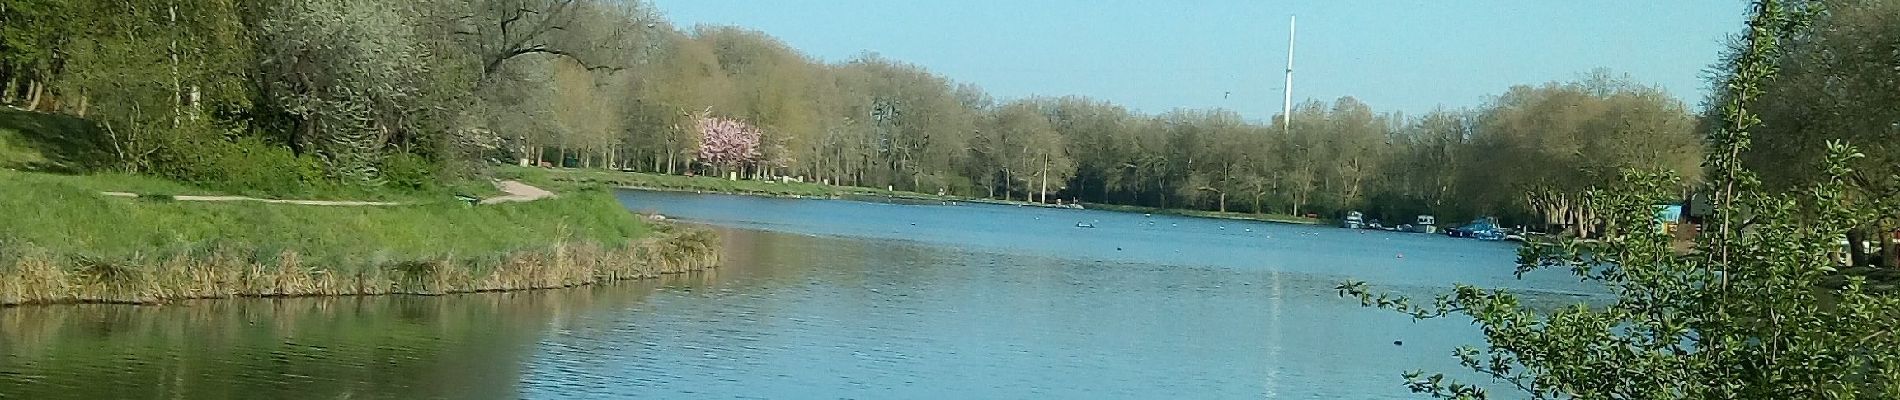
(517, 191)
(273, 201)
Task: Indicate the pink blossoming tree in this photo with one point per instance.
(727, 143)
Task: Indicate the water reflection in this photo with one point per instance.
(462, 346)
(824, 317)
(872, 311)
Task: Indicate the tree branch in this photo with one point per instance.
(495, 63)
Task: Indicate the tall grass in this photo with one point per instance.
(63, 242)
(30, 275)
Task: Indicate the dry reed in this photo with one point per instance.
(32, 276)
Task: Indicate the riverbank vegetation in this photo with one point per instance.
(349, 93)
(66, 243)
(1761, 309)
(334, 95)
(349, 98)
(352, 98)
(331, 99)
(663, 182)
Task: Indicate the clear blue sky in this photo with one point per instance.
(1154, 56)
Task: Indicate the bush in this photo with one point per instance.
(408, 171)
(949, 183)
(246, 165)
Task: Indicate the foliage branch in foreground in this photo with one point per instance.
(1756, 310)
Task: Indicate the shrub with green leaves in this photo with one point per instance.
(247, 165)
(1757, 310)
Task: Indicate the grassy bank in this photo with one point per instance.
(573, 178)
(570, 178)
(63, 242)
(577, 178)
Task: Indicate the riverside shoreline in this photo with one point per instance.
(63, 241)
(37, 278)
(805, 190)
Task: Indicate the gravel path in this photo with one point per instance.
(517, 191)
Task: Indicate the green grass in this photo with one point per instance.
(66, 215)
(48, 142)
(14, 154)
(62, 241)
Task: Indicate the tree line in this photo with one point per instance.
(358, 92)
(1836, 70)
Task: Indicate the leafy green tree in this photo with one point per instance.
(1356, 145)
(1014, 147)
(32, 32)
(442, 84)
(1561, 139)
(586, 113)
(348, 74)
(1095, 132)
(1751, 313)
(145, 71)
(1837, 82)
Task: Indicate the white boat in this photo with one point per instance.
(1426, 224)
(1354, 220)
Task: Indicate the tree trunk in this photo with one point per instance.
(194, 100)
(1044, 191)
(1223, 202)
(1889, 251)
(1857, 247)
(521, 154)
(1006, 184)
(178, 87)
(6, 92)
(33, 92)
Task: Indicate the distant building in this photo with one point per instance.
(1668, 216)
(1696, 208)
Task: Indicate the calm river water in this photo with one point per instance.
(829, 299)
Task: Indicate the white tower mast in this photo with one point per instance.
(1286, 110)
